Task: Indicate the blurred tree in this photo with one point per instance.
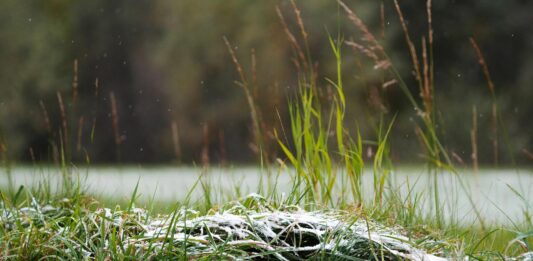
(165, 62)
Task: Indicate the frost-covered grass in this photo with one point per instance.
(252, 228)
(35, 224)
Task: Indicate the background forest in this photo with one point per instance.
(152, 81)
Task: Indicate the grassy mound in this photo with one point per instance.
(251, 228)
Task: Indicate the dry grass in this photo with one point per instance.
(252, 104)
(75, 82)
(473, 137)
(176, 141)
(46, 117)
(301, 63)
(63, 113)
(114, 119)
(81, 123)
(492, 90)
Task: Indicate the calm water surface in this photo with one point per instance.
(499, 195)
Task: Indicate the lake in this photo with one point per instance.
(494, 192)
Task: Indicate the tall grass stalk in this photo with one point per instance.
(497, 123)
(436, 155)
(115, 123)
(252, 105)
(473, 137)
(494, 104)
(352, 152)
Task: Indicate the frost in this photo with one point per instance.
(282, 235)
(252, 228)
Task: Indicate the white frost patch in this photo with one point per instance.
(299, 233)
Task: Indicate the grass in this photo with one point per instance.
(71, 224)
(326, 161)
(76, 227)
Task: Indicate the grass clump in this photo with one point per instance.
(251, 228)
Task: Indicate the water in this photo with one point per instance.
(492, 192)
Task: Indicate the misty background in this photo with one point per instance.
(152, 81)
